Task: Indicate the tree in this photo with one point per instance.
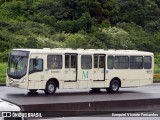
(138, 11)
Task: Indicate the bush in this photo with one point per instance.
(115, 38)
(71, 26)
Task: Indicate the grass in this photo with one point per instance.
(3, 68)
(157, 69)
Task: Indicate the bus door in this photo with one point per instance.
(85, 71)
(36, 75)
(70, 74)
(99, 68)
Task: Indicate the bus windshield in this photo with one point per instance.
(17, 64)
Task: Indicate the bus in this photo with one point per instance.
(48, 69)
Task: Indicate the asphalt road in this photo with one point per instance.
(23, 97)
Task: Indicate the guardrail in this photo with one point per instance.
(156, 75)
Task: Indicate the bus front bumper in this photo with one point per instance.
(17, 85)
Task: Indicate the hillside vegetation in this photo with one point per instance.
(105, 24)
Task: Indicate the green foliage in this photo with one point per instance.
(138, 11)
(138, 36)
(3, 68)
(6, 40)
(107, 24)
(114, 38)
(71, 26)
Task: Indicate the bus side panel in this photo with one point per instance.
(121, 74)
(98, 84)
(36, 79)
(148, 75)
(51, 74)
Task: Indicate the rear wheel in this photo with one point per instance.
(114, 86)
(50, 88)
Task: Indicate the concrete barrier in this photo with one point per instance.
(95, 107)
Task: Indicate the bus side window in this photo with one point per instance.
(110, 62)
(101, 61)
(96, 61)
(121, 62)
(136, 62)
(66, 61)
(35, 65)
(54, 61)
(86, 62)
(147, 62)
(73, 61)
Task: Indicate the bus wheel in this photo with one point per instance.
(33, 90)
(114, 86)
(50, 88)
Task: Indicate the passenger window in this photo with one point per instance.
(147, 62)
(86, 62)
(70, 61)
(35, 65)
(73, 61)
(96, 61)
(121, 62)
(136, 62)
(66, 61)
(54, 61)
(110, 62)
(101, 61)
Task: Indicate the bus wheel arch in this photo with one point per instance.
(114, 86)
(51, 86)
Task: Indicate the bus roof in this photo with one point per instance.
(85, 51)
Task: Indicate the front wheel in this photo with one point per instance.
(50, 88)
(114, 86)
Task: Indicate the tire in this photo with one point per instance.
(33, 90)
(50, 88)
(114, 86)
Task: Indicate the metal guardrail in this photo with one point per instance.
(156, 75)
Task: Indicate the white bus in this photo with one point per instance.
(48, 69)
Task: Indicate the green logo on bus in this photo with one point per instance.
(85, 74)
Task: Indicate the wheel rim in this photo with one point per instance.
(51, 88)
(115, 86)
